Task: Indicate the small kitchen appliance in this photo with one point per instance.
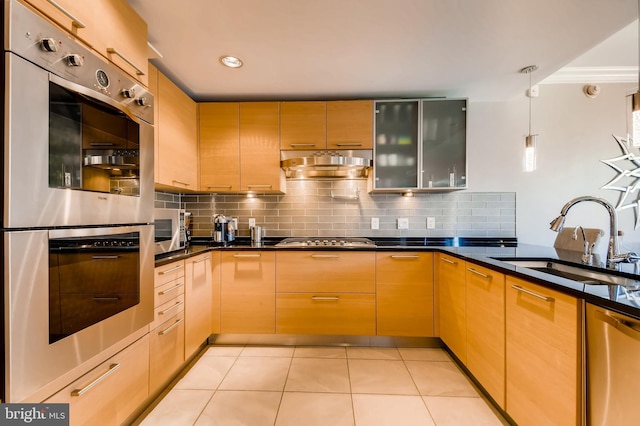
(224, 229)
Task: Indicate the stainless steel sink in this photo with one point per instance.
(576, 273)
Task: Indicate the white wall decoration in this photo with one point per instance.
(627, 181)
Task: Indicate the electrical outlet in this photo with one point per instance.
(403, 223)
(252, 222)
(375, 223)
(431, 223)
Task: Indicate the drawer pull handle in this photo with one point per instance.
(405, 257)
(444, 259)
(171, 308)
(294, 145)
(76, 22)
(171, 327)
(202, 260)
(180, 183)
(349, 144)
(112, 369)
(478, 273)
(105, 257)
(259, 186)
(219, 186)
(170, 289)
(325, 256)
(170, 270)
(246, 255)
(325, 298)
(124, 58)
(531, 293)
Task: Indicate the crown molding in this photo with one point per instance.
(593, 75)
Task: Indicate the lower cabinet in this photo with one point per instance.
(450, 277)
(485, 323)
(198, 302)
(330, 313)
(166, 351)
(325, 292)
(112, 391)
(544, 362)
(247, 300)
(404, 293)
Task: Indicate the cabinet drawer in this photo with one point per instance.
(111, 392)
(166, 310)
(325, 272)
(166, 344)
(349, 314)
(168, 291)
(168, 272)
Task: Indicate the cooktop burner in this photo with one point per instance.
(326, 242)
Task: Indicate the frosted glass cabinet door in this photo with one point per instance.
(444, 160)
(396, 144)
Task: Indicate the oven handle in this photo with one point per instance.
(92, 95)
(112, 369)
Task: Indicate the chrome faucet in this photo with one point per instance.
(614, 257)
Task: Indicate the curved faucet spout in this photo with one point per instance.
(613, 257)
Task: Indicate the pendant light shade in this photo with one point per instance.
(530, 149)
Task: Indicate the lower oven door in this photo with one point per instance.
(70, 294)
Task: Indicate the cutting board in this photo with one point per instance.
(565, 240)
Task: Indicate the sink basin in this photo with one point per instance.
(576, 273)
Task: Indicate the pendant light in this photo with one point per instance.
(635, 98)
(529, 159)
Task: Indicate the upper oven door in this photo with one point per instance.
(59, 141)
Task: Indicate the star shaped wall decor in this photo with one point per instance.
(627, 181)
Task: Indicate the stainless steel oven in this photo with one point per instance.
(71, 293)
(77, 213)
(78, 133)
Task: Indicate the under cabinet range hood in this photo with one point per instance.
(342, 164)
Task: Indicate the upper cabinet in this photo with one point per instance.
(420, 145)
(239, 147)
(177, 138)
(111, 27)
(349, 124)
(326, 125)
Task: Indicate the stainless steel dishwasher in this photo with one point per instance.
(613, 380)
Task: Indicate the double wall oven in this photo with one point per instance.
(77, 208)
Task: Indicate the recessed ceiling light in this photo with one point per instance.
(231, 61)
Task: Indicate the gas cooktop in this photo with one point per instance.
(333, 242)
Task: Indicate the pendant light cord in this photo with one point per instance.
(530, 95)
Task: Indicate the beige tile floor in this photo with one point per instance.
(282, 386)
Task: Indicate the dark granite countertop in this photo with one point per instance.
(492, 252)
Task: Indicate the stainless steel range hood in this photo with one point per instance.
(343, 164)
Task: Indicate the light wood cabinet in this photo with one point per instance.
(303, 271)
(350, 124)
(111, 392)
(177, 154)
(485, 324)
(153, 89)
(544, 330)
(247, 302)
(219, 146)
(450, 280)
(198, 300)
(260, 147)
(167, 331)
(111, 27)
(404, 293)
(303, 125)
(240, 147)
(332, 313)
(216, 267)
(325, 292)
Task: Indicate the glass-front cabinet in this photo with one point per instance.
(420, 145)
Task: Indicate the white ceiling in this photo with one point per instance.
(342, 49)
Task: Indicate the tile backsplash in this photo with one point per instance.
(343, 208)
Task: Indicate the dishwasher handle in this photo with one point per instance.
(629, 328)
